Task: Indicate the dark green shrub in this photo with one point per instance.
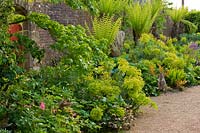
(188, 38)
(194, 17)
(150, 76)
(191, 76)
(4, 131)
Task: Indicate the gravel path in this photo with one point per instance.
(177, 113)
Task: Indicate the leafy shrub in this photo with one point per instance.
(188, 38)
(4, 131)
(132, 84)
(189, 45)
(194, 17)
(173, 61)
(96, 114)
(176, 78)
(25, 111)
(189, 26)
(151, 49)
(150, 76)
(177, 57)
(191, 76)
(197, 71)
(84, 92)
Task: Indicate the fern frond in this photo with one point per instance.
(192, 28)
(142, 16)
(106, 28)
(111, 7)
(178, 14)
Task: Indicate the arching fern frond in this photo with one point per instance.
(177, 14)
(110, 7)
(192, 28)
(142, 16)
(106, 28)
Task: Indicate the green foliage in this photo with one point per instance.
(192, 75)
(82, 93)
(149, 74)
(178, 14)
(131, 82)
(96, 114)
(24, 99)
(176, 57)
(190, 27)
(186, 45)
(151, 49)
(5, 10)
(197, 72)
(142, 16)
(178, 17)
(106, 28)
(173, 61)
(188, 38)
(16, 18)
(161, 19)
(110, 7)
(176, 77)
(10, 57)
(8, 65)
(4, 131)
(119, 111)
(10, 53)
(159, 24)
(96, 7)
(30, 46)
(87, 90)
(194, 17)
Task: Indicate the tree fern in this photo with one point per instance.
(106, 28)
(156, 6)
(110, 7)
(142, 16)
(177, 14)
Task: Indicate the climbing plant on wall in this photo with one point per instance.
(10, 47)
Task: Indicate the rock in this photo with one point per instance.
(118, 44)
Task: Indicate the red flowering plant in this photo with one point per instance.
(42, 106)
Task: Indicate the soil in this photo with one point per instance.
(178, 112)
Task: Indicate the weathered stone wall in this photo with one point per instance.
(61, 13)
(58, 12)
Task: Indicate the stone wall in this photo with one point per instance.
(58, 12)
(61, 13)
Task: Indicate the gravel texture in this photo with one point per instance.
(177, 112)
